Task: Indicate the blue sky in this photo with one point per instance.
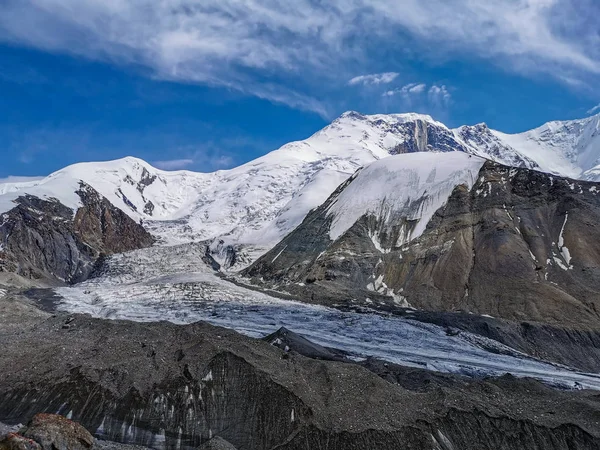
(207, 84)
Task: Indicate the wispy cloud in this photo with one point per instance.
(374, 79)
(439, 95)
(202, 160)
(594, 110)
(407, 90)
(223, 152)
(420, 97)
(263, 48)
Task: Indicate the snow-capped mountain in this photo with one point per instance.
(263, 200)
(569, 148)
(258, 202)
(447, 232)
(410, 187)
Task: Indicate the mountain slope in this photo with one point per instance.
(570, 148)
(516, 244)
(42, 239)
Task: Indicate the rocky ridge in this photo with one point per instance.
(44, 240)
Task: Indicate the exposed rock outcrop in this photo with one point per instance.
(45, 240)
(14, 441)
(217, 443)
(519, 245)
(55, 432)
(288, 341)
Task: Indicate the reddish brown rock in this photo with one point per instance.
(54, 432)
(47, 241)
(14, 441)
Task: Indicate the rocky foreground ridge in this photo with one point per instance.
(180, 387)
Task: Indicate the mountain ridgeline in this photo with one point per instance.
(482, 241)
(510, 254)
(260, 202)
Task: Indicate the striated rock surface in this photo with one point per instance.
(44, 240)
(180, 387)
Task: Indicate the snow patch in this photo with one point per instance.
(374, 235)
(560, 263)
(564, 251)
(279, 254)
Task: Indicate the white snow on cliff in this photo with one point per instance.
(258, 202)
(411, 186)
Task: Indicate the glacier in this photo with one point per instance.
(413, 186)
(173, 284)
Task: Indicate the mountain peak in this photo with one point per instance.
(389, 118)
(351, 115)
(404, 117)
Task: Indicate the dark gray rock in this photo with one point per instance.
(288, 341)
(217, 443)
(197, 382)
(6, 429)
(55, 432)
(45, 240)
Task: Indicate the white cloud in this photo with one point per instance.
(374, 78)
(407, 90)
(594, 110)
(439, 95)
(173, 164)
(418, 97)
(311, 45)
(203, 160)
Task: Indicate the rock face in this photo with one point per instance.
(54, 432)
(288, 341)
(180, 387)
(518, 245)
(43, 239)
(217, 443)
